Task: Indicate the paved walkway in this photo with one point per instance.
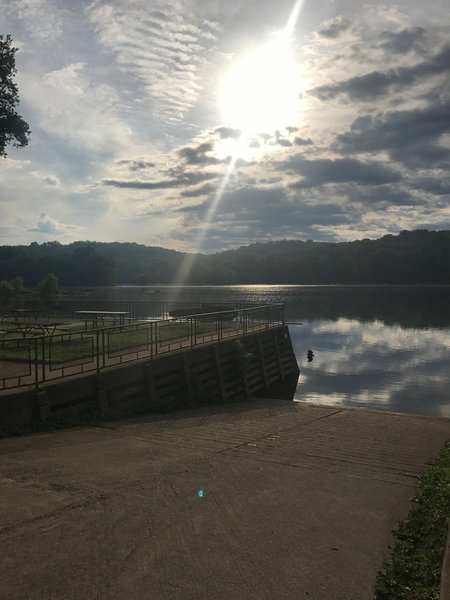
(298, 503)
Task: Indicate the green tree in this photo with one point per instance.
(17, 284)
(6, 290)
(13, 129)
(49, 286)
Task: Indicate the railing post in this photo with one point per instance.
(156, 338)
(36, 363)
(43, 357)
(97, 343)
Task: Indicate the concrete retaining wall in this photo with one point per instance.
(226, 371)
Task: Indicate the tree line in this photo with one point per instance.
(412, 257)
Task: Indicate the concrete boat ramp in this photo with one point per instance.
(264, 500)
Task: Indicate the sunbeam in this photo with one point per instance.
(273, 72)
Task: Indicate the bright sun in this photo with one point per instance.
(260, 93)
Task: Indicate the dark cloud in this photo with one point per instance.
(267, 210)
(333, 28)
(409, 135)
(184, 179)
(208, 188)
(136, 165)
(432, 185)
(228, 132)
(422, 155)
(283, 142)
(298, 141)
(142, 185)
(270, 180)
(380, 197)
(403, 41)
(52, 181)
(197, 155)
(248, 215)
(325, 170)
(379, 83)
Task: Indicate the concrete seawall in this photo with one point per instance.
(227, 371)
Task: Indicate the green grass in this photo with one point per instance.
(413, 570)
(81, 347)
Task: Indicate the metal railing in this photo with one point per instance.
(26, 361)
(155, 309)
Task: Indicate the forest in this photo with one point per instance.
(411, 257)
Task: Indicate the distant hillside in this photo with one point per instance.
(408, 258)
(411, 257)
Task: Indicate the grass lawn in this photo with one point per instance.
(413, 570)
(71, 342)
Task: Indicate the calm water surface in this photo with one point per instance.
(379, 347)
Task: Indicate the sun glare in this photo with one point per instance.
(260, 93)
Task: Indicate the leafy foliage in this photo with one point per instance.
(13, 129)
(412, 257)
(414, 569)
(49, 285)
(6, 290)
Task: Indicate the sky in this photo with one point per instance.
(212, 124)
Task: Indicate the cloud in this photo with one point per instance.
(333, 28)
(409, 135)
(321, 171)
(51, 226)
(203, 190)
(228, 132)
(197, 155)
(50, 180)
(379, 83)
(142, 185)
(137, 164)
(161, 46)
(298, 141)
(258, 214)
(404, 41)
(422, 155)
(188, 178)
(42, 20)
(432, 185)
(380, 197)
(70, 104)
(125, 117)
(283, 142)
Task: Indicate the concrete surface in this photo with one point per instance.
(298, 502)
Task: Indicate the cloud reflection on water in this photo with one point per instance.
(373, 365)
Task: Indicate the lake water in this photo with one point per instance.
(377, 347)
